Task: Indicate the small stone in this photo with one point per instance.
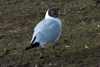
(86, 47)
(98, 33)
(98, 26)
(67, 46)
(50, 64)
(36, 65)
(82, 22)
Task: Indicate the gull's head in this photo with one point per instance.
(53, 12)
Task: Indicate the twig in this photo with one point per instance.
(65, 10)
(5, 50)
(43, 3)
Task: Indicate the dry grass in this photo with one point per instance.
(80, 29)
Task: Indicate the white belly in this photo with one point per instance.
(47, 45)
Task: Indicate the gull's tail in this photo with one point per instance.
(36, 44)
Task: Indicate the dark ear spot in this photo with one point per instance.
(53, 12)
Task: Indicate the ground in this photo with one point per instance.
(78, 46)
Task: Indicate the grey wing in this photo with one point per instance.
(49, 33)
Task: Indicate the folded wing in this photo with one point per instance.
(47, 31)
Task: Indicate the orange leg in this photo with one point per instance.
(41, 55)
(54, 50)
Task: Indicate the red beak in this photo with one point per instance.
(61, 14)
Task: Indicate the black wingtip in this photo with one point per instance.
(32, 46)
(27, 48)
